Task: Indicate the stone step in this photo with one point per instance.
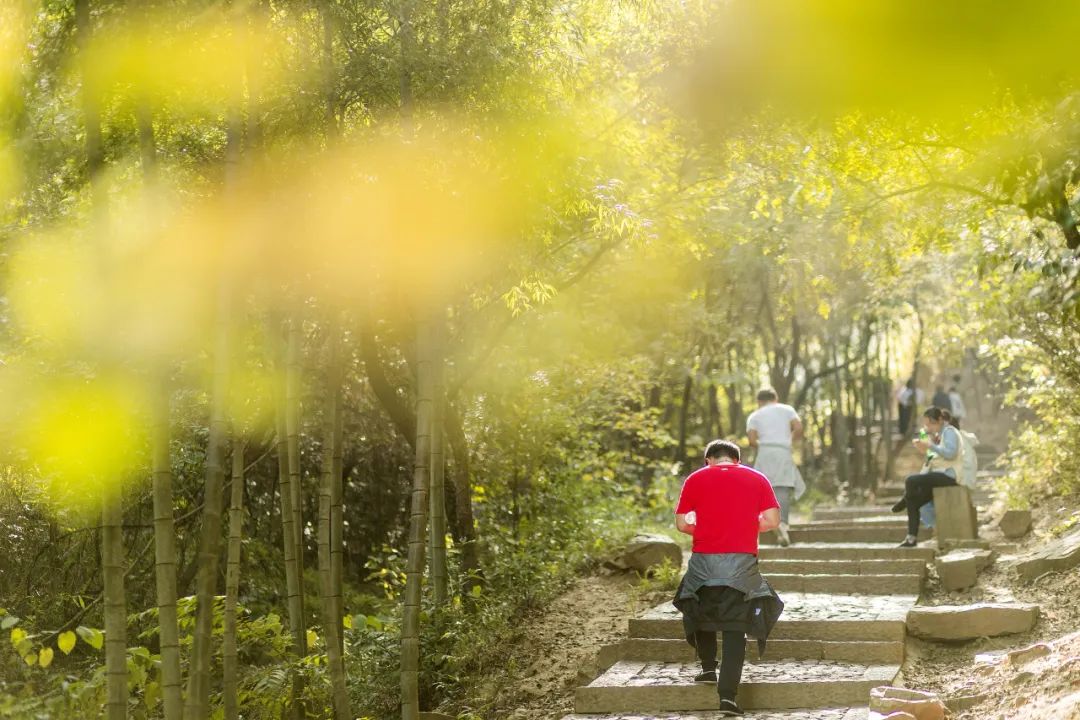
(655, 686)
(910, 584)
(845, 551)
(806, 616)
(797, 714)
(848, 512)
(809, 534)
(901, 566)
(883, 652)
(888, 519)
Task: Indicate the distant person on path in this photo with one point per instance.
(956, 403)
(722, 590)
(905, 403)
(944, 450)
(941, 399)
(772, 429)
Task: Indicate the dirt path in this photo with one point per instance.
(558, 646)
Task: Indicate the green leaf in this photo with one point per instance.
(476, 590)
(66, 642)
(91, 636)
(9, 622)
(17, 636)
(312, 638)
(45, 657)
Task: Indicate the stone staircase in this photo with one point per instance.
(847, 590)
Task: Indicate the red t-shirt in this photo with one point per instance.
(727, 499)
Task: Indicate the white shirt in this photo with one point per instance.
(773, 423)
(957, 403)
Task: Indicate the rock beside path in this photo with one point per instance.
(1015, 523)
(957, 570)
(967, 622)
(1060, 554)
(896, 703)
(648, 551)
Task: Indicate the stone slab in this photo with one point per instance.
(807, 616)
(850, 511)
(967, 622)
(644, 687)
(955, 512)
(845, 551)
(1060, 554)
(913, 566)
(879, 520)
(660, 650)
(957, 570)
(910, 584)
(797, 714)
(809, 534)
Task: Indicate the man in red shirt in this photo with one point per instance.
(722, 591)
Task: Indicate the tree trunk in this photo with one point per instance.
(414, 571)
(839, 430)
(164, 528)
(437, 496)
(112, 563)
(331, 623)
(197, 705)
(230, 664)
(868, 394)
(165, 559)
(112, 509)
(337, 517)
(294, 597)
(465, 522)
(716, 422)
(684, 411)
(292, 432)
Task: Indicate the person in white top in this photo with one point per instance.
(772, 429)
(957, 403)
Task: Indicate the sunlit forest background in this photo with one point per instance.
(338, 336)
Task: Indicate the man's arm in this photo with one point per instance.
(684, 527)
(753, 435)
(769, 520)
(796, 430)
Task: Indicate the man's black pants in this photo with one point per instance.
(919, 490)
(731, 661)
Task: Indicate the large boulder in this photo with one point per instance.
(1061, 554)
(647, 551)
(967, 622)
(1015, 523)
(915, 703)
(957, 570)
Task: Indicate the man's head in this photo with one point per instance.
(766, 396)
(720, 451)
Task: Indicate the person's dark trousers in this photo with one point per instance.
(919, 490)
(904, 413)
(731, 660)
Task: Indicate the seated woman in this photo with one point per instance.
(944, 457)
